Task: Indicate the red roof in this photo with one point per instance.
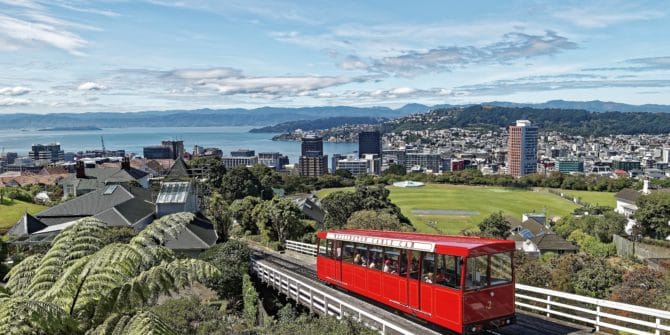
(444, 244)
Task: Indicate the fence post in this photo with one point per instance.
(658, 326)
(598, 318)
(548, 306)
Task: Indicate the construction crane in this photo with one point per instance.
(102, 140)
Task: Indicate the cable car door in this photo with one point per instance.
(413, 279)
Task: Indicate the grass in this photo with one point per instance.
(594, 198)
(485, 200)
(10, 212)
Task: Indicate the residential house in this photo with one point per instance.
(86, 180)
(534, 238)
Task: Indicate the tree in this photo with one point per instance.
(565, 268)
(653, 215)
(279, 218)
(533, 273)
(213, 168)
(81, 284)
(239, 182)
(496, 225)
(592, 245)
(343, 173)
(218, 213)
(232, 259)
(268, 178)
(396, 169)
(184, 315)
(250, 301)
(597, 279)
(643, 286)
(339, 206)
(242, 211)
(118, 235)
(378, 220)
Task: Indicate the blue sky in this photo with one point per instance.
(115, 55)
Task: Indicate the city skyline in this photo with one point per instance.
(119, 56)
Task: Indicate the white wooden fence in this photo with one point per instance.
(318, 301)
(599, 313)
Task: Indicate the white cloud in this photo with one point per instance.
(14, 91)
(91, 86)
(6, 102)
(603, 17)
(24, 33)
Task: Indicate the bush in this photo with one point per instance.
(592, 245)
(250, 301)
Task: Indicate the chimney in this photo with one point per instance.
(125, 163)
(645, 187)
(80, 169)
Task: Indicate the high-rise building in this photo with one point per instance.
(665, 155)
(176, 147)
(522, 149)
(313, 162)
(50, 152)
(243, 153)
(369, 142)
(231, 162)
(311, 146)
(271, 160)
(567, 165)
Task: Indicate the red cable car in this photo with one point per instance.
(465, 284)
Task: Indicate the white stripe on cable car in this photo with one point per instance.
(381, 241)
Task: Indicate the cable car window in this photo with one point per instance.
(428, 268)
(361, 255)
(501, 268)
(402, 263)
(391, 257)
(476, 272)
(414, 264)
(330, 249)
(322, 247)
(448, 271)
(376, 258)
(348, 252)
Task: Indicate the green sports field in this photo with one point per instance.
(594, 198)
(11, 212)
(452, 208)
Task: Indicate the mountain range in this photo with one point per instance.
(265, 116)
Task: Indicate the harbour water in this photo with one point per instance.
(133, 139)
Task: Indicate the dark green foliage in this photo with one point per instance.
(318, 124)
(601, 227)
(279, 219)
(597, 279)
(218, 212)
(343, 173)
(567, 121)
(644, 286)
(495, 225)
(250, 296)
(377, 220)
(213, 169)
(395, 169)
(185, 315)
(232, 259)
(339, 206)
(239, 182)
(533, 273)
(653, 215)
(268, 178)
(291, 323)
(242, 211)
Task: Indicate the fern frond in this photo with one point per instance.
(19, 316)
(83, 238)
(19, 277)
(167, 226)
(143, 323)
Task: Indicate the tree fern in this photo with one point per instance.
(143, 323)
(21, 275)
(167, 226)
(19, 316)
(83, 238)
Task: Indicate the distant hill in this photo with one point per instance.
(594, 106)
(331, 122)
(568, 121)
(193, 118)
(265, 116)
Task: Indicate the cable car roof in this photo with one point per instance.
(443, 244)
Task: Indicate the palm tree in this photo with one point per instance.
(83, 286)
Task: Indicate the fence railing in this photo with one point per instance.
(599, 313)
(303, 248)
(319, 301)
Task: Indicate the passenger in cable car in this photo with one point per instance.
(357, 259)
(428, 278)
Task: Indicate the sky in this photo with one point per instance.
(123, 56)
